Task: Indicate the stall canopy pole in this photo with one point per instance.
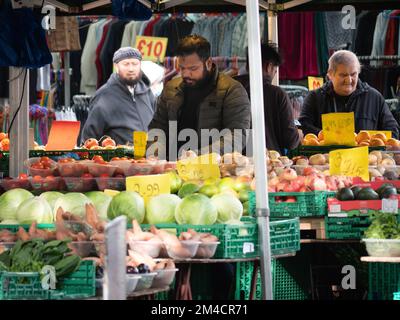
(19, 135)
(273, 35)
(67, 81)
(257, 110)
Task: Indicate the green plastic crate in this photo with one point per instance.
(308, 204)
(15, 227)
(311, 150)
(241, 241)
(27, 286)
(285, 285)
(346, 228)
(383, 280)
(396, 296)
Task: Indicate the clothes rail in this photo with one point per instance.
(369, 58)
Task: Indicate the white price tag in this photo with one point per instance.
(335, 208)
(390, 205)
(248, 247)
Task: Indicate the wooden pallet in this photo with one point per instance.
(312, 228)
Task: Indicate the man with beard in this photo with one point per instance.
(124, 104)
(202, 98)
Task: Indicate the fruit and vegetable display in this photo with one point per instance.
(386, 191)
(363, 138)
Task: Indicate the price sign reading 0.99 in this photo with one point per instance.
(339, 128)
(149, 186)
(349, 162)
(152, 48)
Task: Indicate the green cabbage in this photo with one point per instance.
(72, 202)
(34, 209)
(161, 209)
(196, 209)
(101, 202)
(228, 206)
(129, 204)
(9, 202)
(51, 197)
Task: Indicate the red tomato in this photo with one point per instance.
(97, 157)
(104, 175)
(37, 178)
(50, 177)
(37, 165)
(87, 175)
(23, 176)
(116, 159)
(45, 159)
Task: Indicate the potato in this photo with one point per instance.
(326, 155)
(302, 162)
(378, 155)
(372, 160)
(388, 162)
(373, 173)
(386, 156)
(274, 155)
(277, 163)
(317, 159)
(285, 160)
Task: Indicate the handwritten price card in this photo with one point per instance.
(315, 83)
(199, 168)
(339, 128)
(152, 48)
(139, 143)
(350, 162)
(149, 186)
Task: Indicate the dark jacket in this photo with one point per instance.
(226, 107)
(370, 109)
(280, 131)
(114, 112)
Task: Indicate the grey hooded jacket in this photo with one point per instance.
(116, 113)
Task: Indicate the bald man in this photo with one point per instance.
(345, 92)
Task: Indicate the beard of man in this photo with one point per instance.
(131, 81)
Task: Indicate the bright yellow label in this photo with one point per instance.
(349, 162)
(110, 192)
(338, 128)
(315, 83)
(139, 143)
(199, 168)
(152, 48)
(149, 186)
(388, 134)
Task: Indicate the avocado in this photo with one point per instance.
(367, 194)
(383, 186)
(356, 190)
(187, 189)
(387, 192)
(345, 194)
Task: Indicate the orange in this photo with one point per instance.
(321, 135)
(375, 142)
(364, 143)
(380, 135)
(393, 142)
(5, 144)
(362, 135)
(321, 142)
(313, 142)
(309, 136)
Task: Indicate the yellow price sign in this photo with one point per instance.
(350, 162)
(388, 134)
(339, 128)
(199, 168)
(149, 186)
(315, 83)
(110, 192)
(152, 48)
(139, 143)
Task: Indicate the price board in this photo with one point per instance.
(199, 168)
(149, 186)
(139, 143)
(315, 83)
(349, 162)
(152, 48)
(339, 128)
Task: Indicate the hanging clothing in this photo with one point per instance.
(175, 29)
(378, 45)
(99, 67)
(364, 34)
(392, 36)
(321, 42)
(336, 35)
(298, 45)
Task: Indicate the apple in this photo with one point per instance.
(89, 143)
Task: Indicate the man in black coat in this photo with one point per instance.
(344, 92)
(280, 130)
(124, 104)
